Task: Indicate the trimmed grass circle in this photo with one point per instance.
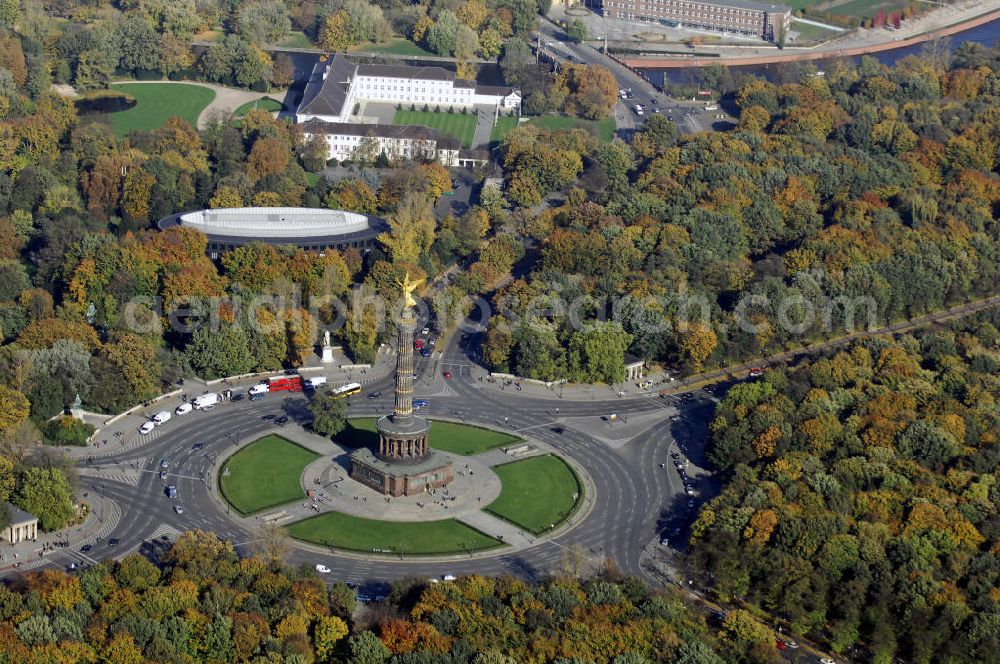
(266, 473)
(538, 493)
(158, 102)
(344, 531)
(462, 439)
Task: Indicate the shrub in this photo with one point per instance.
(437, 109)
(413, 107)
(426, 108)
(451, 109)
(65, 430)
(399, 106)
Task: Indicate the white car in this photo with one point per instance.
(183, 409)
(178, 509)
(322, 569)
(425, 331)
(826, 660)
(449, 577)
(146, 428)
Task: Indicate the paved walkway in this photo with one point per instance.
(100, 521)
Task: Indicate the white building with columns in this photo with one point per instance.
(21, 526)
(337, 85)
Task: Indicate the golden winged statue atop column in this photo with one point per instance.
(408, 287)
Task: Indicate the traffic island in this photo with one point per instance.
(264, 474)
(538, 493)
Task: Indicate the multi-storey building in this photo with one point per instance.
(744, 17)
(337, 85)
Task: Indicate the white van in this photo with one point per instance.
(259, 388)
(146, 428)
(183, 409)
(206, 401)
(161, 417)
(313, 383)
(711, 107)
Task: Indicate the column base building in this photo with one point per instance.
(741, 17)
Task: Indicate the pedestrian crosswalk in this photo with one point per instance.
(164, 530)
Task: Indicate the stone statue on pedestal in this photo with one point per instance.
(327, 348)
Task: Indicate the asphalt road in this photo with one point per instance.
(632, 491)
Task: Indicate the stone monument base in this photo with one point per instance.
(327, 356)
(433, 471)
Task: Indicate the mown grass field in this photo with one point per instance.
(461, 126)
(603, 129)
(866, 8)
(397, 46)
(264, 474)
(451, 437)
(264, 103)
(538, 493)
(811, 33)
(344, 531)
(158, 102)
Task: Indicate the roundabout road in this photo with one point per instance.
(633, 493)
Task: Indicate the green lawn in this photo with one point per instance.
(867, 8)
(158, 102)
(537, 493)
(264, 474)
(397, 46)
(461, 126)
(603, 129)
(451, 437)
(296, 39)
(428, 537)
(812, 33)
(264, 103)
(503, 125)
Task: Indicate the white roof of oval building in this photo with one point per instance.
(277, 222)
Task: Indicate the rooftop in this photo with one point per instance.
(412, 132)
(18, 517)
(770, 7)
(284, 222)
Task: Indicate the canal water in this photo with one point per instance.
(987, 34)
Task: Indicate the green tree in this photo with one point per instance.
(366, 648)
(328, 413)
(597, 354)
(576, 30)
(327, 634)
(45, 492)
(441, 36)
(219, 353)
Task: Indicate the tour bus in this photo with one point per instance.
(347, 390)
(284, 383)
(313, 383)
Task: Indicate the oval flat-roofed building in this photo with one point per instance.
(317, 229)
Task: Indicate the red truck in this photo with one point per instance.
(285, 383)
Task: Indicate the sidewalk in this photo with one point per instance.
(25, 556)
(120, 433)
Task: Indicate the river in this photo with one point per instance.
(987, 34)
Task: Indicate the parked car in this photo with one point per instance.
(322, 569)
(282, 420)
(161, 417)
(146, 428)
(171, 491)
(164, 463)
(183, 409)
(163, 474)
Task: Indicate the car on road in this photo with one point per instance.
(85, 548)
(146, 428)
(178, 509)
(425, 352)
(183, 409)
(826, 660)
(374, 395)
(322, 569)
(267, 418)
(449, 577)
(791, 645)
(420, 403)
(163, 474)
(114, 541)
(171, 491)
(689, 491)
(447, 374)
(665, 542)
(197, 446)
(432, 341)
(71, 567)
(164, 463)
(282, 420)
(691, 502)
(425, 331)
